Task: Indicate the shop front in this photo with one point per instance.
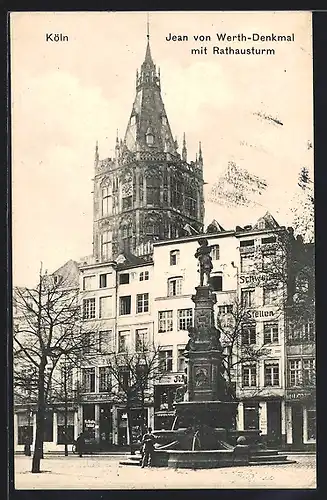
(266, 415)
(139, 423)
(164, 397)
(301, 421)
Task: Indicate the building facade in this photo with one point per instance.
(136, 289)
(130, 301)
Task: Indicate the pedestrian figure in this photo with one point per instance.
(80, 444)
(147, 448)
(27, 447)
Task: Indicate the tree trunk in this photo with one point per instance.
(38, 448)
(65, 427)
(143, 425)
(129, 423)
(66, 411)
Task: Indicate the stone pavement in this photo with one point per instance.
(104, 472)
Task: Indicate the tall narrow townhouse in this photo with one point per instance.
(134, 305)
(262, 287)
(98, 303)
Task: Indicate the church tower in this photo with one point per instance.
(148, 191)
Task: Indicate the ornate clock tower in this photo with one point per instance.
(148, 191)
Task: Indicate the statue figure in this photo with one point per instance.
(205, 261)
(192, 337)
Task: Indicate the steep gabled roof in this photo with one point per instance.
(266, 222)
(214, 227)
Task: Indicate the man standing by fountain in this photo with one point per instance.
(147, 448)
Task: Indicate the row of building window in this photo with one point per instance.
(270, 296)
(300, 373)
(106, 310)
(268, 262)
(174, 255)
(141, 340)
(270, 333)
(153, 195)
(166, 360)
(89, 282)
(264, 241)
(184, 320)
(105, 307)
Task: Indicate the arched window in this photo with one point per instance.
(127, 237)
(176, 192)
(191, 200)
(153, 190)
(106, 201)
(106, 245)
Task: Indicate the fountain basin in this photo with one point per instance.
(202, 459)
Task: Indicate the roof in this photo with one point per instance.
(149, 111)
(126, 260)
(69, 272)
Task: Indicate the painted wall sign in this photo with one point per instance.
(257, 279)
(172, 378)
(259, 314)
(297, 395)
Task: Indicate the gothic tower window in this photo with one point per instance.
(153, 190)
(106, 201)
(106, 242)
(127, 237)
(152, 228)
(177, 192)
(141, 189)
(190, 200)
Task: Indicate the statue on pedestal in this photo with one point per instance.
(205, 261)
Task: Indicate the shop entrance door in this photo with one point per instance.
(251, 416)
(274, 423)
(105, 426)
(297, 425)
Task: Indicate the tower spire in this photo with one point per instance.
(147, 27)
(184, 150)
(200, 154)
(117, 145)
(96, 156)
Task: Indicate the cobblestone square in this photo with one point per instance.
(104, 472)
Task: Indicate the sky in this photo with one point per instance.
(68, 95)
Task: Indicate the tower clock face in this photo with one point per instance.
(127, 189)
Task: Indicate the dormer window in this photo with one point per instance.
(149, 137)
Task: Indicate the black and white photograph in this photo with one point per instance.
(163, 250)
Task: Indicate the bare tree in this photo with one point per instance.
(303, 209)
(239, 343)
(47, 327)
(133, 372)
